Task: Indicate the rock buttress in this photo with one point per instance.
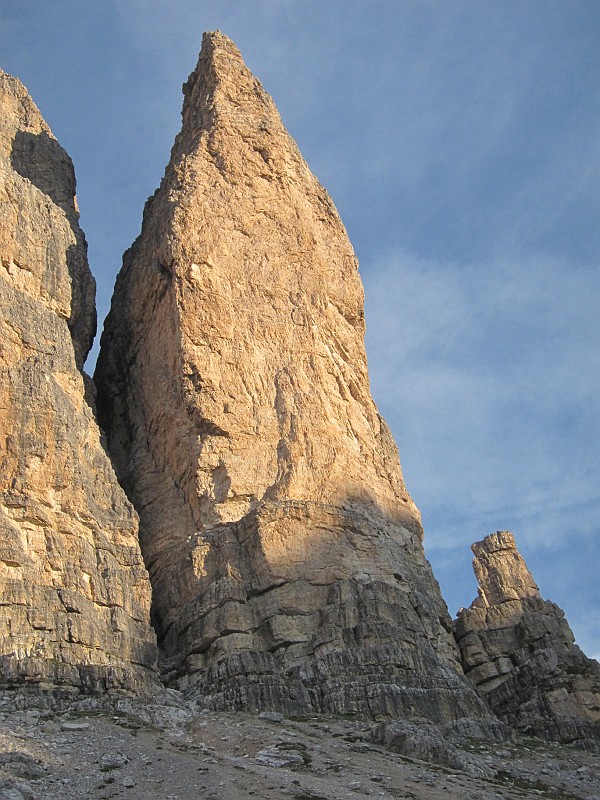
(284, 550)
(519, 650)
(74, 593)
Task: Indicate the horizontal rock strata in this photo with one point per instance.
(74, 593)
(519, 650)
(284, 550)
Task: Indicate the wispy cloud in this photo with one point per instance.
(488, 375)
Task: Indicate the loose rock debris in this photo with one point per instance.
(129, 749)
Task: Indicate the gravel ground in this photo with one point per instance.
(172, 751)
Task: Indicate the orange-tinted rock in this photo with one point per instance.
(284, 550)
(74, 593)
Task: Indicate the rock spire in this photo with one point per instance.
(284, 550)
(520, 652)
(74, 593)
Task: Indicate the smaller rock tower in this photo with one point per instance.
(519, 650)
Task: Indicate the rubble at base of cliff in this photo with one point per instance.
(169, 748)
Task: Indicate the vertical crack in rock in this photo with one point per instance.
(519, 650)
(234, 391)
(74, 593)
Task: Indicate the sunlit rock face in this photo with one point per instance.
(284, 550)
(519, 650)
(74, 593)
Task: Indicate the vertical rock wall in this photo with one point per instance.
(74, 593)
(519, 650)
(284, 550)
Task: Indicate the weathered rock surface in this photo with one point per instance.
(520, 652)
(74, 593)
(284, 550)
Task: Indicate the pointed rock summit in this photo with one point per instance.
(284, 550)
(74, 593)
(519, 650)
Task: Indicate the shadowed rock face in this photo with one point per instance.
(284, 550)
(520, 652)
(74, 593)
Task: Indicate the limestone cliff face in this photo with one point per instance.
(520, 652)
(74, 593)
(284, 550)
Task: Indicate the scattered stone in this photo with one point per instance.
(18, 791)
(274, 757)
(75, 726)
(110, 761)
(271, 716)
(11, 793)
(21, 765)
(425, 742)
(49, 727)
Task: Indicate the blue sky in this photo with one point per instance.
(460, 142)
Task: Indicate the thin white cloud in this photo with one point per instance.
(488, 376)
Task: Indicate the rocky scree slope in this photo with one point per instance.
(107, 749)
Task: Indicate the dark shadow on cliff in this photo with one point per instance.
(41, 160)
(346, 619)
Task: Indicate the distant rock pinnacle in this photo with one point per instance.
(284, 550)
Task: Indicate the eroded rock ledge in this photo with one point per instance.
(74, 593)
(519, 650)
(284, 550)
